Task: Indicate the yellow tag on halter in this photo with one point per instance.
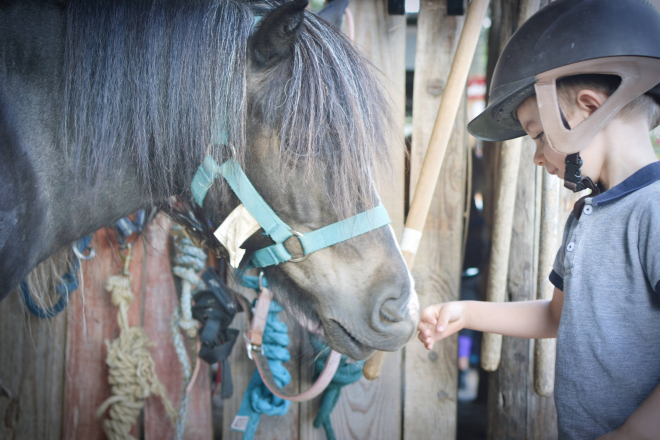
(233, 232)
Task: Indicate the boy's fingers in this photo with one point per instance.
(428, 316)
(443, 320)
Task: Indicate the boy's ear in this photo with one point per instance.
(589, 101)
(277, 33)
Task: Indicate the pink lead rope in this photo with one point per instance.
(253, 338)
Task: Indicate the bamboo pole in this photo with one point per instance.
(435, 154)
(545, 349)
(491, 347)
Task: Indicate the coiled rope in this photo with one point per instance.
(132, 373)
(258, 399)
(188, 260)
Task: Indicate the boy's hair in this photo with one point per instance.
(643, 106)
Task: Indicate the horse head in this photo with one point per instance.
(316, 133)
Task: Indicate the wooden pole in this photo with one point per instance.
(491, 347)
(435, 154)
(545, 349)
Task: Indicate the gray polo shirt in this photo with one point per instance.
(608, 344)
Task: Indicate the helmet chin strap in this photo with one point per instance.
(573, 179)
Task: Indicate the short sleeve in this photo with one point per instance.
(557, 275)
(649, 242)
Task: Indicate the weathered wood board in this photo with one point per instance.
(32, 352)
(92, 319)
(160, 298)
(431, 376)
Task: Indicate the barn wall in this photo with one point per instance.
(431, 376)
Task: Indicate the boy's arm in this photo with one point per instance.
(642, 424)
(520, 319)
(523, 319)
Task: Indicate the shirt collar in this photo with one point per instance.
(644, 177)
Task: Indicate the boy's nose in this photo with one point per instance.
(539, 157)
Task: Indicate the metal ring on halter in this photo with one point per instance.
(304, 256)
(81, 253)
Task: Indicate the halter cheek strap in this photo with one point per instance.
(274, 226)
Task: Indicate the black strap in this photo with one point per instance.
(215, 310)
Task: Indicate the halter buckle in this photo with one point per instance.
(304, 256)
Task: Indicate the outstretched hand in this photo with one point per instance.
(439, 321)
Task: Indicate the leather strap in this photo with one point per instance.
(254, 337)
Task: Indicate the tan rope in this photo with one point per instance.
(132, 370)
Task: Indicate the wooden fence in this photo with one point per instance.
(53, 374)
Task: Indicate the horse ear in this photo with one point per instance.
(277, 33)
(333, 12)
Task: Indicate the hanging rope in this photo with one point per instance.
(258, 399)
(188, 260)
(349, 372)
(69, 282)
(132, 373)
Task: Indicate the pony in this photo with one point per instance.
(109, 107)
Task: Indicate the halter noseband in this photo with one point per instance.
(274, 226)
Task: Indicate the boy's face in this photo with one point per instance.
(555, 163)
(529, 117)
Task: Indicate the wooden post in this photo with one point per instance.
(429, 172)
(491, 347)
(32, 354)
(160, 298)
(514, 410)
(545, 349)
(430, 382)
(91, 322)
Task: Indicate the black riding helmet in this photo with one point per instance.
(563, 33)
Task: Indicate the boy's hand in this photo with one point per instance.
(441, 320)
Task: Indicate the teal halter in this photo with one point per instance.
(274, 227)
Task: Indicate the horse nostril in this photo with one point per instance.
(393, 310)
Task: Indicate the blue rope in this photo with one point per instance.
(349, 372)
(258, 399)
(69, 284)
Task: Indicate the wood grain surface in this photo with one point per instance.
(431, 376)
(32, 352)
(92, 319)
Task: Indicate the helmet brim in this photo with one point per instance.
(498, 121)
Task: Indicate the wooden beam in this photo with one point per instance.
(160, 298)
(430, 381)
(31, 372)
(91, 322)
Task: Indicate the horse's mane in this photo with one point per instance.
(151, 83)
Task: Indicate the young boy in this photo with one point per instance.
(582, 78)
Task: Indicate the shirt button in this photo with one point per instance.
(588, 209)
(570, 246)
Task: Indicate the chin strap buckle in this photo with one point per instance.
(573, 175)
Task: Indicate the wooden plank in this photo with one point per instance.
(372, 409)
(515, 411)
(31, 371)
(430, 382)
(90, 323)
(160, 300)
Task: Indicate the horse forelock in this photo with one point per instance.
(331, 114)
(153, 82)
